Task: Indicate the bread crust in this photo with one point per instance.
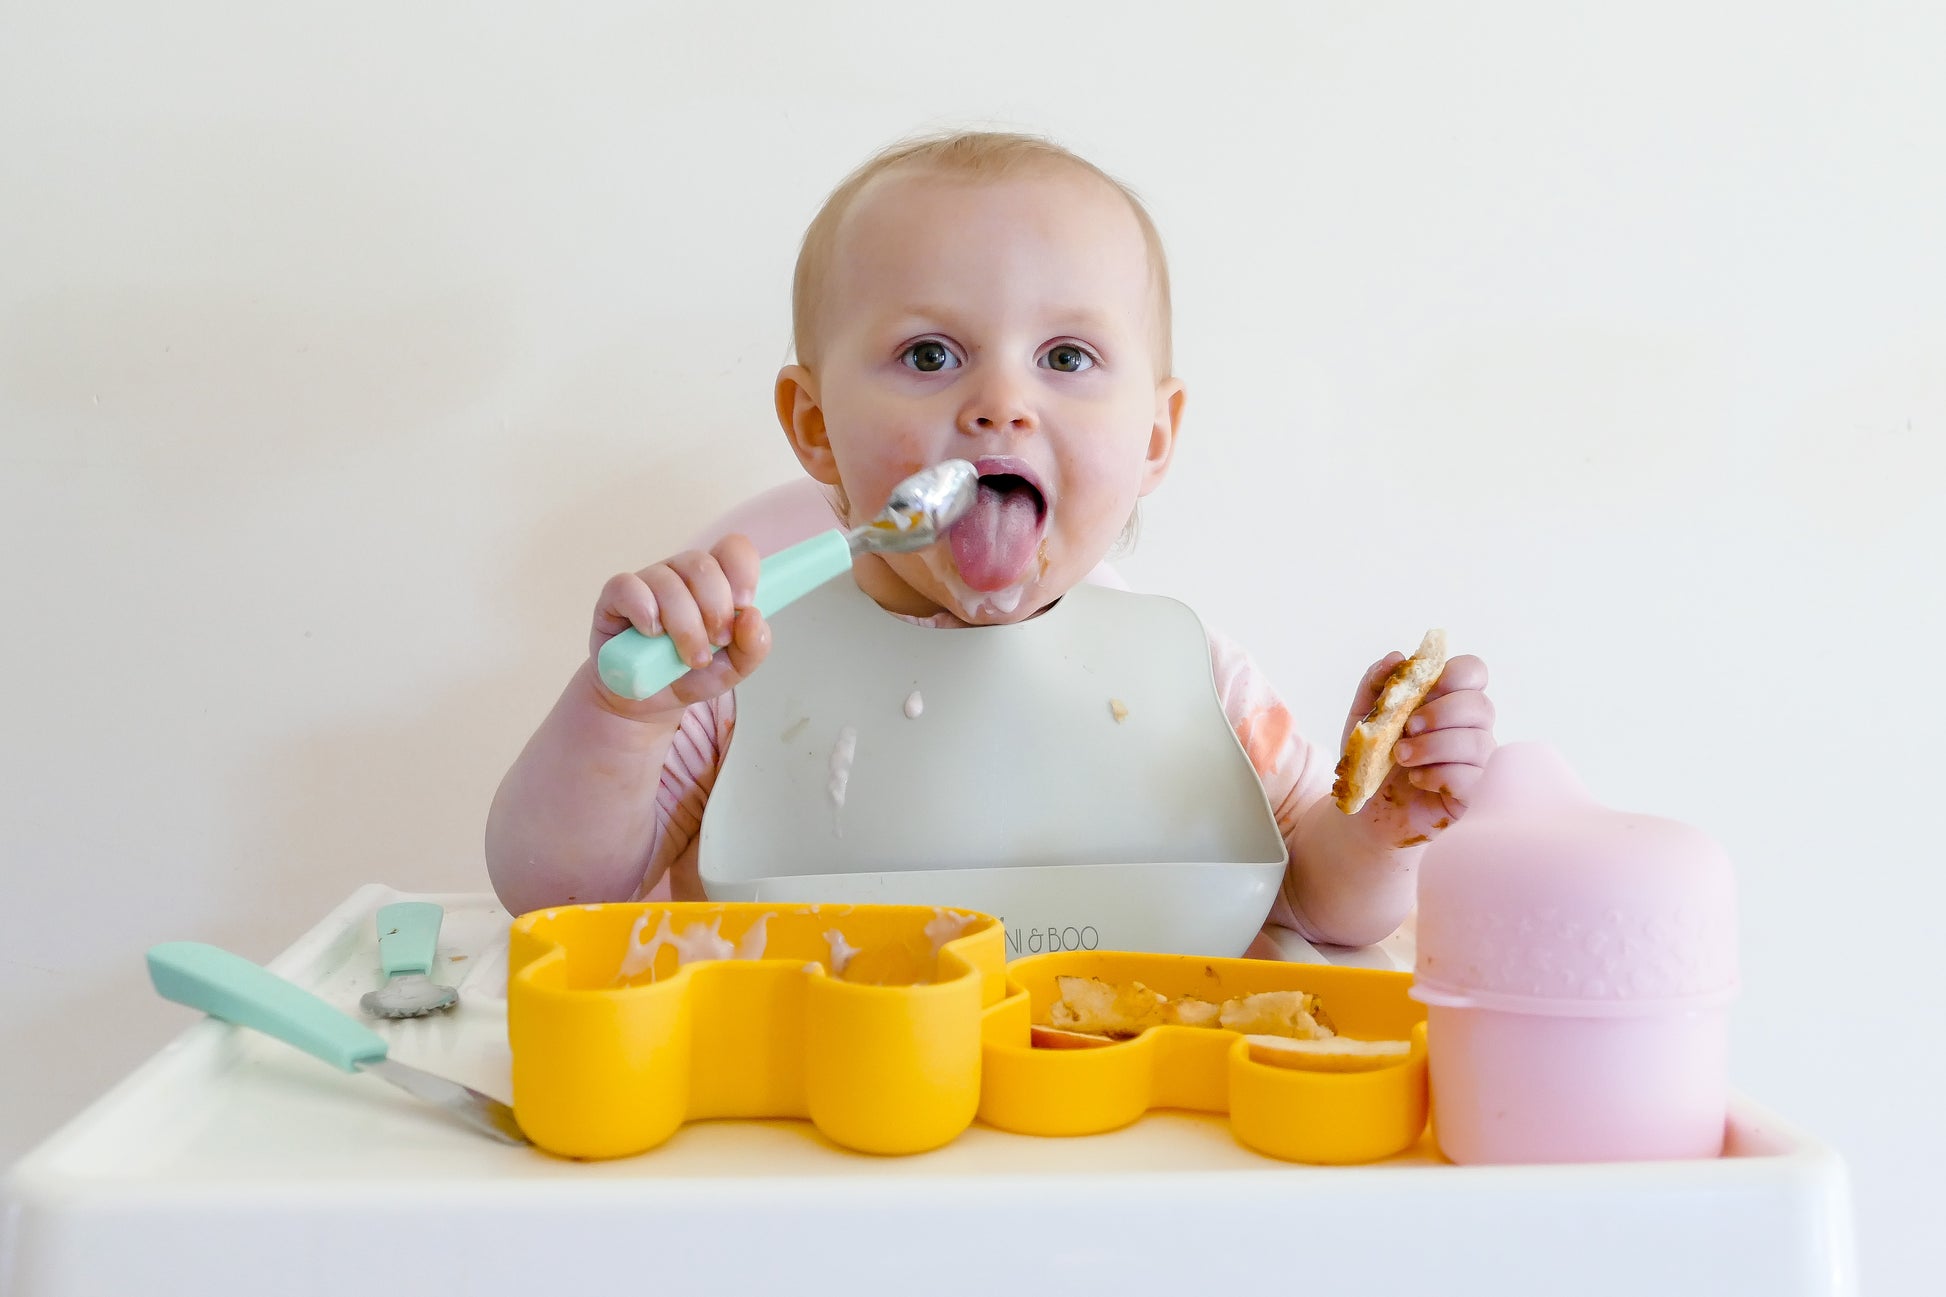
(1334, 1054)
(1367, 757)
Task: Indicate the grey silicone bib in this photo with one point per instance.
(1074, 775)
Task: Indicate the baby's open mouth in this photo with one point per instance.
(996, 540)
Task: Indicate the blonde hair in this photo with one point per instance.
(983, 155)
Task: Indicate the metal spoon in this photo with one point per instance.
(920, 511)
(408, 936)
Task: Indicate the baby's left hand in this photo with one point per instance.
(1439, 758)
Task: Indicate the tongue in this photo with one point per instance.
(996, 538)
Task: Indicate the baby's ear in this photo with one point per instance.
(802, 420)
(1169, 396)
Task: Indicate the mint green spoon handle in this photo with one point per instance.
(408, 933)
(232, 988)
(635, 665)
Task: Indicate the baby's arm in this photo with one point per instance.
(579, 816)
(1340, 887)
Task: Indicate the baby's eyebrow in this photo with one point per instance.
(910, 315)
(1084, 319)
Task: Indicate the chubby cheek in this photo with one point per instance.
(1100, 491)
(869, 466)
(1091, 523)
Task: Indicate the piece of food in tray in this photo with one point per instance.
(1058, 1038)
(1192, 1012)
(1330, 1054)
(1092, 1007)
(1118, 1012)
(1276, 1013)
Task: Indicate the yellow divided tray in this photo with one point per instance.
(1286, 1112)
(864, 1019)
(889, 1027)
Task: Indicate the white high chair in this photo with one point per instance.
(230, 1163)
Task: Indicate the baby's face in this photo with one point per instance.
(1010, 323)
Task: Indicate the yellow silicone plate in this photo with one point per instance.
(615, 1047)
(1297, 1115)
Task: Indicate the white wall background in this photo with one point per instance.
(346, 348)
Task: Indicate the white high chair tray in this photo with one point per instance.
(231, 1164)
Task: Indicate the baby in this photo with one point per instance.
(993, 298)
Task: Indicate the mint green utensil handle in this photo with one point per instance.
(636, 666)
(232, 988)
(408, 933)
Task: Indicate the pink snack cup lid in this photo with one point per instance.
(1542, 900)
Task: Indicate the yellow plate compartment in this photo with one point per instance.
(615, 1047)
(1297, 1115)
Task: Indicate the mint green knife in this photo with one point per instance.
(232, 988)
(920, 511)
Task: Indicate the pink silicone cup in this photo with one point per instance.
(1576, 963)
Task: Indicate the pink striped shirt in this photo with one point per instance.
(1295, 773)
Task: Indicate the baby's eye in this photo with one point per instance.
(929, 357)
(1068, 359)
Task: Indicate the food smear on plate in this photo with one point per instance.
(910, 959)
(693, 943)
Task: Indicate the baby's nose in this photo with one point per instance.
(986, 424)
(995, 412)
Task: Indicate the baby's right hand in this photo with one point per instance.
(703, 602)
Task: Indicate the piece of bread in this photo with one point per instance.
(1090, 1007)
(1188, 1011)
(1332, 1054)
(1057, 1038)
(1295, 1014)
(1367, 757)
